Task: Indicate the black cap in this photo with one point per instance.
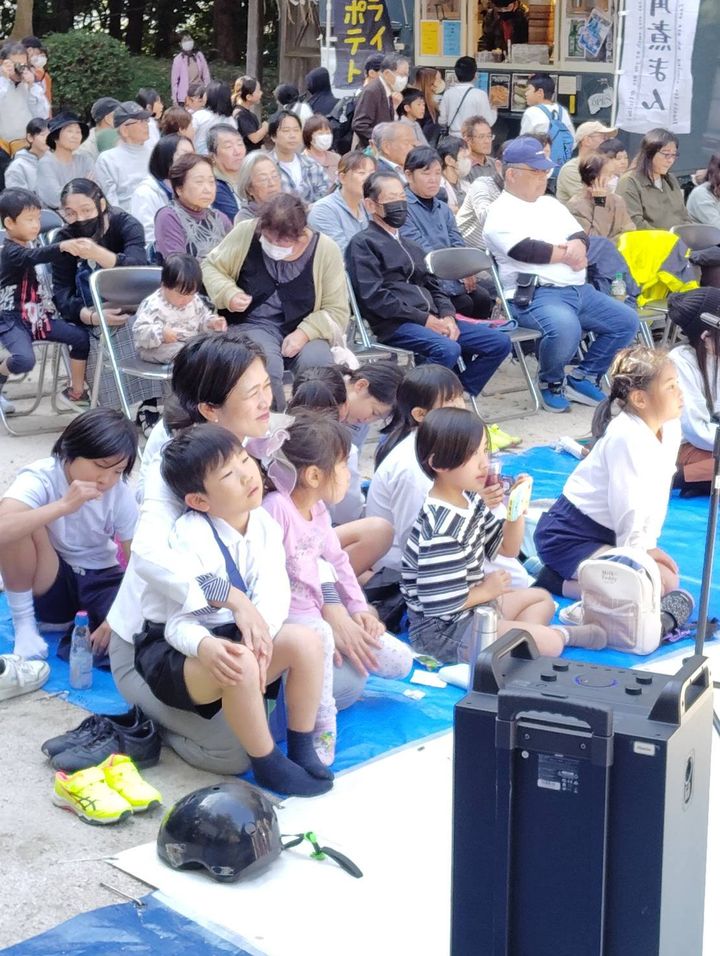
(33, 42)
(129, 111)
(65, 118)
(685, 309)
(100, 108)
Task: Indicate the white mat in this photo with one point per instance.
(392, 817)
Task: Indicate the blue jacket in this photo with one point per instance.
(331, 216)
(433, 229)
(225, 199)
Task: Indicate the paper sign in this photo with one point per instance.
(430, 38)
(451, 37)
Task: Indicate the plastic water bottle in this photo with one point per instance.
(618, 289)
(81, 653)
(482, 634)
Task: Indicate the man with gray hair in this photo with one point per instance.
(375, 103)
(226, 151)
(393, 142)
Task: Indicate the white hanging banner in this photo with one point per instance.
(655, 84)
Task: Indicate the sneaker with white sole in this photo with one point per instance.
(553, 399)
(572, 614)
(6, 405)
(18, 676)
(583, 391)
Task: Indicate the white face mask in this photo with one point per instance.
(187, 45)
(400, 83)
(322, 140)
(39, 61)
(275, 252)
(464, 166)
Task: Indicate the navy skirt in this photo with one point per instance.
(565, 536)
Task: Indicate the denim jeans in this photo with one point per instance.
(564, 315)
(15, 336)
(483, 349)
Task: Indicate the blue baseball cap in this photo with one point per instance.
(526, 151)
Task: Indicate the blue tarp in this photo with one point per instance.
(126, 928)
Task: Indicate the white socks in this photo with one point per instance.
(28, 641)
(591, 636)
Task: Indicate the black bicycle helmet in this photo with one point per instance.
(230, 829)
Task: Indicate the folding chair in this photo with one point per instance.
(698, 236)
(45, 350)
(361, 339)
(123, 288)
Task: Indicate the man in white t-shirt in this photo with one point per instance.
(464, 100)
(540, 98)
(541, 252)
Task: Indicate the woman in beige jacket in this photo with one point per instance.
(598, 210)
(284, 286)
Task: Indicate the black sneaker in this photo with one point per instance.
(675, 610)
(143, 745)
(94, 726)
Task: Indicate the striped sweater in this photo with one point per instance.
(445, 553)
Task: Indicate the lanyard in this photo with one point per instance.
(236, 579)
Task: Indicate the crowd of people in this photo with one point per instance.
(260, 228)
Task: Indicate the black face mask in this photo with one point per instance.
(395, 213)
(85, 229)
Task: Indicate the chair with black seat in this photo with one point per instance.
(461, 262)
(699, 237)
(124, 288)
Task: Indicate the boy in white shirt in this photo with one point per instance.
(200, 662)
(540, 101)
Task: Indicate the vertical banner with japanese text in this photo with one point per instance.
(655, 85)
(361, 27)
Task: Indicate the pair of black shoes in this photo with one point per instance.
(100, 735)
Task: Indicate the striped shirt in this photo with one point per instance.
(445, 553)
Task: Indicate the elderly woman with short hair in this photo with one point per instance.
(259, 181)
(285, 285)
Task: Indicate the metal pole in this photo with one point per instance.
(709, 548)
(619, 40)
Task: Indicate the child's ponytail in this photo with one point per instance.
(633, 369)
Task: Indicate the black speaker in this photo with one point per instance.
(580, 807)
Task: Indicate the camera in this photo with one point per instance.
(20, 68)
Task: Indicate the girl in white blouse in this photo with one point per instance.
(618, 495)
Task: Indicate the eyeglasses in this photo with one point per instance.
(666, 155)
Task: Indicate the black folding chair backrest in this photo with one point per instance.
(49, 220)
(124, 287)
(697, 235)
(457, 262)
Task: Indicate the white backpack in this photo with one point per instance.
(621, 592)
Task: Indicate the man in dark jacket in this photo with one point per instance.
(375, 103)
(506, 20)
(404, 303)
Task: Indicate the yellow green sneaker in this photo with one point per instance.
(500, 439)
(87, 794)
(122, 776)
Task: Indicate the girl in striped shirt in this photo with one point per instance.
(443, 561)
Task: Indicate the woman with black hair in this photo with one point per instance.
(320, 95)
(247, 95)
(221, 378)
(58, 522)
(151, 101)
(698, 370)
(288, 98)
(109, 236)
(218, 109)
(703, 203)
(154, 192)
(653, 196)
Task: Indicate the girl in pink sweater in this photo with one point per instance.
(322, 581)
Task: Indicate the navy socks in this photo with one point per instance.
(278, 773)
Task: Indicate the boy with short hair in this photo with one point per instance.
(540, 97)
(27, 310)
(200, 662)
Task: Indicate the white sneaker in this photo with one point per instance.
(18, 676)
(6, 405)
(572, 614)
